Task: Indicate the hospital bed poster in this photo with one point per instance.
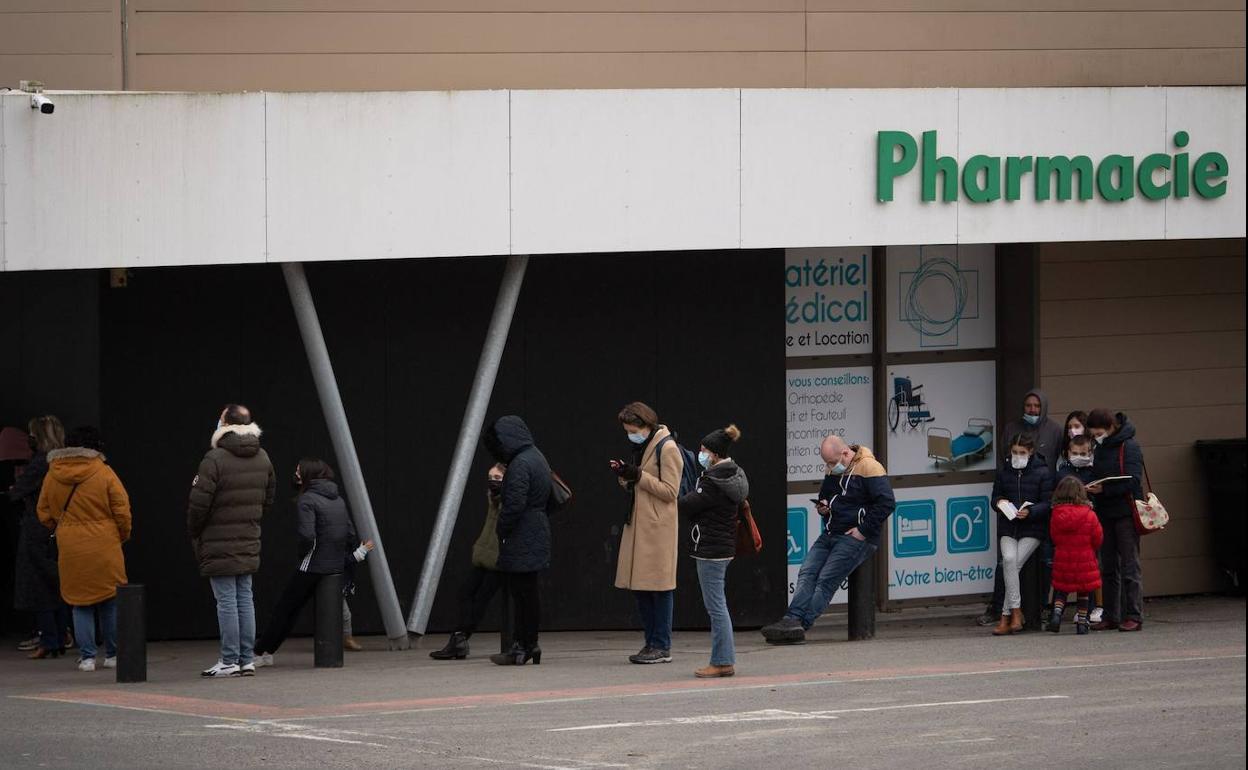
(940, 542)
(940, 417)
(827, 301)
(940, 298)
(804, 527)
(824, 402)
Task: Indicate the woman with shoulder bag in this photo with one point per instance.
(1118, 454)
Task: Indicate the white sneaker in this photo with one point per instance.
(110, 662)
(264, 659)
(86, 664)
(247, 669)
(221, 669)
(1096, 615)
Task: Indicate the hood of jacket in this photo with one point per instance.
(324, 488)
(1125, 433)
(238, 440)
(730, 479)
(74, 465)
(507, 437)
(1067, 518)
(1044, 403)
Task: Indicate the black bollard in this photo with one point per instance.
(506, 624)
(327, 623)
(131, 634)
(862, 602)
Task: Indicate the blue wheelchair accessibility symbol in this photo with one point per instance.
(796, 544)
(967, 524)
(914, 528)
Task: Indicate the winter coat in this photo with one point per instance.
(84, 501)
(231, 492)
(485, 549)
(1076, 537)
(650, 542)
(36, 581)
(860, 497)
(1033, 484)
(713, 508)
(1083, 474)
(1118, 455)
(325, 529)
(523, 529)
(1047, 433)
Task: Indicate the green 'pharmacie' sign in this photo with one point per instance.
(1115, 177)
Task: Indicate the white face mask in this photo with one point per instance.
(1018, 462)
(1099, 439)
(1080, 461)
(1075, 432)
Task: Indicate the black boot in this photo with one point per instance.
(456, 648)
(518, 655)
(1055, 619)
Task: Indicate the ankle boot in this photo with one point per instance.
(1055, 621)
(518, 655)
(1002, 628)
(456, 648)
(1016, 620)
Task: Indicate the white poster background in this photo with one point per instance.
(822, 402)
(944, 401)
(827, 301)
(804, 526)
(940, 298)
(941, 541)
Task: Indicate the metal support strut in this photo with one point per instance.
(466, 444)
(344, 448)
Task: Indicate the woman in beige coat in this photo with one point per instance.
(648, 546)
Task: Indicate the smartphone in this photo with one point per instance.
(816, 502)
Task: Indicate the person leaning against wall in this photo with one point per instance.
(1118, 454)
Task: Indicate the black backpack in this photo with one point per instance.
(691, 471)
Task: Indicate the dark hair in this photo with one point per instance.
(1079, 415)
(311, 468)
(1025, 440)
(85, 436)
(237, 414)
(1084, 440)
(1070, 491)
(1104, 419)
(638, 415)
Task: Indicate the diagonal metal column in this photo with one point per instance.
(344, 448)
(469, 434)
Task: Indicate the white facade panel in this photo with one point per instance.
(624, 170)
(134, 180)
(387, 175)
(1213, 122)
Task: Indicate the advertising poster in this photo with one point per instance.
(941, 298)
(804, 525)
(821, 403)
(827, 296)
(941, 542)
(940, 417)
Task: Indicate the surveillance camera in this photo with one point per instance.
(42, 103)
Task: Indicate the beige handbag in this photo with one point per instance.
(1150, 514)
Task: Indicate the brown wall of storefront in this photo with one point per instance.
(236, 45)
(1155, 330)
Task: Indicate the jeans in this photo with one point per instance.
(475, 595)
(1014, 554)
(829, 561)
(84, 628)
(236, 617)
(655, 608)
(527, 602)
(1120, 571)
(711, 578)
(299, 589)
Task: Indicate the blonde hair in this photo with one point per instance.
(48, 431)
(733, 432)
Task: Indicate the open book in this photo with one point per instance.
(1010, 511)
(1107, 478)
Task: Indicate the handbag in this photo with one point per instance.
(560, 493)
(749, 541)
(1150, 515)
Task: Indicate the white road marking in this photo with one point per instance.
(942, 703)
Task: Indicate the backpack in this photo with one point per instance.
(689, 474)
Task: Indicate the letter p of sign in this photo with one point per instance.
(889, 164)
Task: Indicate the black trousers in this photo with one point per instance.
(522, 587)
(299, 589)
(1121, 580)
(475, 594)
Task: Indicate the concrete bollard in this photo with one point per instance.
(327, 623)
(131, 634)
(862, 602)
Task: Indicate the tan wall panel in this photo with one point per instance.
(384, 72)
(1078, 6)
(1186, 425)
(473, 6)
(1184, 537)
(1141, 316)
(55, 6)
(1181, 575)
(1138, 250)
(86, 72)
(56, 33)
(1161, 278)
(1005, 31)
(1130, 391)
(1155, 352)
(272, 33)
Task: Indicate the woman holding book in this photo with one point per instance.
(1118, 454)
(1022, 495)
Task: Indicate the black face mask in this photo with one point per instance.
(33, 443)
(295, 483)
(495, 486)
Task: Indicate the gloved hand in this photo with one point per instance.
(629, 472)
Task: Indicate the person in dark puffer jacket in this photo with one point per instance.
(1076, 537)
(326, 533)
(523, 530)
(1024, 478)
(713, 508)
(232, 491)
(1118, 454)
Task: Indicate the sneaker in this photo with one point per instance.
(637, 656)
(1097, 615)
(110, 662)
(989, 618)
(247, 669)
(263, 659)
(652, 655)
(786, 630)
(86, 664)
(26, 645)
(221, 669)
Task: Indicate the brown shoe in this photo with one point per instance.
(711, 672)
(1016, 620)
(1002, 628)
(1130, 625)
(1105, 625)
(349, 643)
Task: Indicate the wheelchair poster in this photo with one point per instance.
(940, 417)
(940, 542)
(804, 527)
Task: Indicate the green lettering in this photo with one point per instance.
(991, 189)
(1065, 169)
(933, 165)
(1014, 170)
(1119, 186)
(1211, 165)
(1148, 168)
(888, 166)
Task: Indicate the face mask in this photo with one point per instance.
(1018, 462)
(33, 443)
(838, 469)
(638, 438)
(1080, 461)
(704, 459)
(1099, 439)
(1075, 432)
(1031, 419)
(496, 486)
(295, 483)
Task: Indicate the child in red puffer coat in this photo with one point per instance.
(1076, 535)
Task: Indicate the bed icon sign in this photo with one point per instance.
(967, 519)
(914, 528)
(796, 541)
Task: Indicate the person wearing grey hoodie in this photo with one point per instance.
(713, 508)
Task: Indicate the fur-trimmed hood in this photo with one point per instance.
(74, 464)
(249, 431)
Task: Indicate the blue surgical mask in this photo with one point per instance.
(638, 438)
(1031, 419)
(704, 459)
(838, 469)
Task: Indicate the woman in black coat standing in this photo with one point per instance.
(523, 531)
(1118, 454)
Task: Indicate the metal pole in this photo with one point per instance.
(344, 448)
(327, 623)
(469, 434)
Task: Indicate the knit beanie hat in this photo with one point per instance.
(720, 441)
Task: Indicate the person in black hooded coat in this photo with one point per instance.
(1118, 454)
(523, 530)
